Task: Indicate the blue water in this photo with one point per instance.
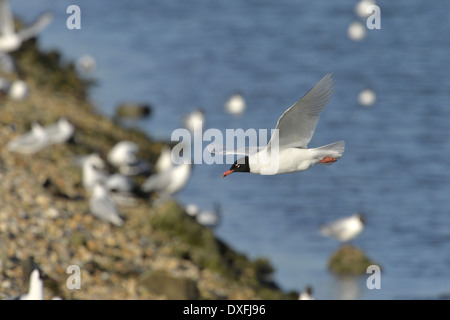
(180, 55)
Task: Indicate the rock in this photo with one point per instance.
(162, 283)
(349, 260)
(133, 110)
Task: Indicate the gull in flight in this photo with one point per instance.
(10, 39)
(287, 149)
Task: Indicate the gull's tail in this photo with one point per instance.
(333, 150)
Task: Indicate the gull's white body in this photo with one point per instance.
(123, 153)
(193, 119)
(18, 90)
(344, 229)
(30, 142)
(36, 287)
(235, 105)
(164, 161)
(60, 132)
(170, 181)
(124, 156)
(10, 40)
(93, 171)
(119, 185)
(102, 206)
(290, 160)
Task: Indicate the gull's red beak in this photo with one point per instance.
(227, 173)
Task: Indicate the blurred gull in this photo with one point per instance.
(36, 287)
(124, 156)
(10, 40)
(367, 97)
(102, 206)
(235, 104)
(121, 189)
(168, 182)
(86, 64)
(307, 294)
(361, 8)
(356, 31)
(344, 229)
(194, 119)
(93, 173)
(60, 132)
(207, 218)
(30, 142)
(164, 161)
(18, 90)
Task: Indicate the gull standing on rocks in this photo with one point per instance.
(19, 90)
(30, 142)
(168, 182)
(102, 206)
(307, 294)
(36, 287)
(93, 172)
(60, 132)
(124, 156)
(10, 39)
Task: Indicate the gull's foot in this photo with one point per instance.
(328, 160)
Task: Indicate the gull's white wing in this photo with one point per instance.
(215, 148)
(6, 18)
(157, 181)
(37, 26)
(297, 124)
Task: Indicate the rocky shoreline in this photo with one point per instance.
(159, 253)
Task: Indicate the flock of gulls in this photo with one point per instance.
(107, 191)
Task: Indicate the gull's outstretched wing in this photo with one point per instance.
(33, 30)
(297, 124)
(6, 18)
(215, 148)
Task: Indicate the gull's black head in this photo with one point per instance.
(240, 165)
